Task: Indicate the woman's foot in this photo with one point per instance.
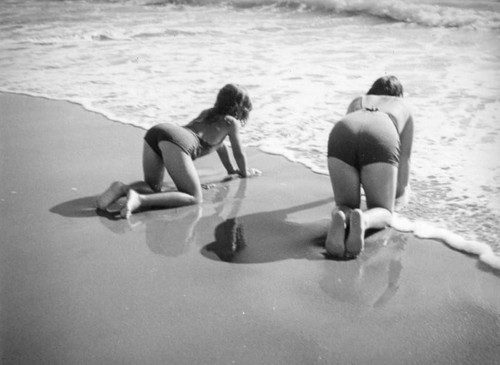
(113, 193)
(355, 243)
(334, 243)
(133, 203)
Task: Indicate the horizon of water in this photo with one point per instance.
(141, 62)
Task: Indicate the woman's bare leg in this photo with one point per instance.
(152, 164)
(345, 181)
(153, 168)
(379, 181)
(181, 169)
(355, 243)
(335, 237)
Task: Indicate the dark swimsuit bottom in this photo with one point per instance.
(183, 137)
(364, 137)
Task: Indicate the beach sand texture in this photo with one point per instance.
(241, 279)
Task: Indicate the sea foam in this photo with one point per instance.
(426, 230)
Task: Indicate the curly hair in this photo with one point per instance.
(386, 85)
(233, 100)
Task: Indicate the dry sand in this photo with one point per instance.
(242, 279)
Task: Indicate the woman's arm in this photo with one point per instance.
(224, 158)
(406, 138)
(238, 153)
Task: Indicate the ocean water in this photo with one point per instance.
(142, 62)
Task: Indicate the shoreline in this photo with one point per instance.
(240, 278)
(477, 233)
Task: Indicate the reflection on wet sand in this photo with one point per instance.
(371, 280)
(171, 232)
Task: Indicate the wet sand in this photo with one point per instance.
(241, 279)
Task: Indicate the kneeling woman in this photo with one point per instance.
(174, 148)
(370, 147)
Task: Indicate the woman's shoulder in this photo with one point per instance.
(201, 117)
(356, 104)
(401, 110)
(393, 105)
(220, 120)
(206, 117)
(404, 107)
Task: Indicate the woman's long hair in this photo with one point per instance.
(231, 100)
(386, 85)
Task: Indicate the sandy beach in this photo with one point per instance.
(241, 279)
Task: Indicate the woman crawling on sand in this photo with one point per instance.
(174, 148)
(370, 147)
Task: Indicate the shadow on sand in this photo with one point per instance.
(77, 208)
(268, 236)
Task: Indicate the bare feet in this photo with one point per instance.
(117, 205)
(115, 191)
(336, 235)
(133, 203)
(355, 243)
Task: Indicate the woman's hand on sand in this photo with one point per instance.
(208, 186)
(251, 172)
(237, 175)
